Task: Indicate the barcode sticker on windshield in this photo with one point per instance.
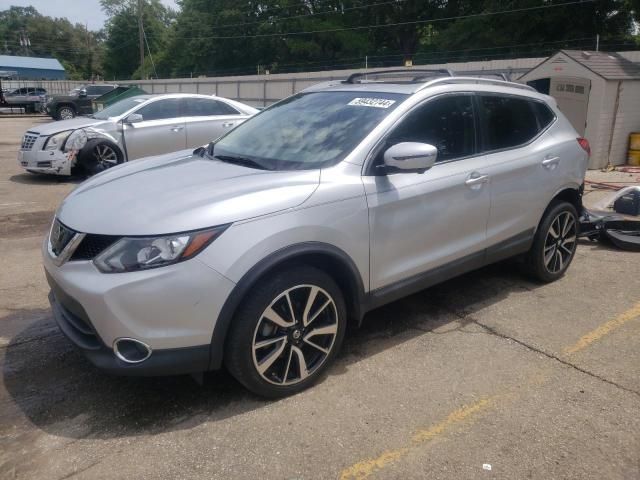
(372, 102)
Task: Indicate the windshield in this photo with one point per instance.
(119, 108)
(308, 130)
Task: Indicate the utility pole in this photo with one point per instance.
(141, 37)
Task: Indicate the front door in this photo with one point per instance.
(162, 130)
(422, 221)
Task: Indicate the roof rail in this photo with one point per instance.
(485, 81)
(443, 71)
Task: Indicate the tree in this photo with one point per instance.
(122, 53)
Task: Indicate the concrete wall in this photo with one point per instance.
(263, 90)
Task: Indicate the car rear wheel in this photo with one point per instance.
(555, 243)
(287, 332)
(65, 113)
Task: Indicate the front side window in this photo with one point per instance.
(308, 130)
(204, 107)
(447, 123)
(161, 109)
(509, 121)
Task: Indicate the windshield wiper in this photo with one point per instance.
(243, 161)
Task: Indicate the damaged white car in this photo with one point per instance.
(136, 127)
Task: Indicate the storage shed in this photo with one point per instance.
(599, 92)
(33, 68)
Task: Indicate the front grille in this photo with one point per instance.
(29, 140)
(92, 245)
(59, 237)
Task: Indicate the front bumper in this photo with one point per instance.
(53, 162)
(172, 309)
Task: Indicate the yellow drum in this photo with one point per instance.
(634, 141)
(634, 158)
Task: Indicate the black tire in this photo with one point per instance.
(91, 160)
(65, 112)
(550, 255)
(284, 293)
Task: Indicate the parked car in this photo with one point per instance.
(29, 98)
(76, 102)
(135, 127)
(255, 252)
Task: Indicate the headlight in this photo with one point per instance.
(55, 142)
(130, 254)
(76, 141)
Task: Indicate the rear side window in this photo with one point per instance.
(203, 107)
(508, 121)
(544, 113)
(446, 123)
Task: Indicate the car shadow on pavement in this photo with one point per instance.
(42, 179)
(60, 392)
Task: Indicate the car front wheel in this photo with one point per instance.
(287, 332)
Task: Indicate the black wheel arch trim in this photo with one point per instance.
(355, 299)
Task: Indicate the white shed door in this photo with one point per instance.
(572, 95)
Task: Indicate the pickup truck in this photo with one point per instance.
(76, 102)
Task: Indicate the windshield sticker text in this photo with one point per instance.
(372, 102)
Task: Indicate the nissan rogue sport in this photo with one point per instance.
(256, 251)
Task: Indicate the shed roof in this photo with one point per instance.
(11, 61)
(608, 65)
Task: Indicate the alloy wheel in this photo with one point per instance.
(106, 156)
(66, 113)
(295, 335)
(560, 242)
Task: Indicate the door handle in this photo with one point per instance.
(228, 124)
(176, 128)
(550, 162)
(476, 179)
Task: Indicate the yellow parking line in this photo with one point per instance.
(604, 329)
(364, 469)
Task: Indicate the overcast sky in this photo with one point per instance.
(77, 11)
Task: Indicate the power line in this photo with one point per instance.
(397, 24)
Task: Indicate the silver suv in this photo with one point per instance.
(257, 251)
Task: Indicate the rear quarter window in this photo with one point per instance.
(544, 114)
(509, 121)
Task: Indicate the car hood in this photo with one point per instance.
(180, 192)
(62, 125)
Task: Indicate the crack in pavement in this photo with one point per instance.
(468, 318)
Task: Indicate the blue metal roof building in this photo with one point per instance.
(33, 68)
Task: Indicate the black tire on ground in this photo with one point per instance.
(554, 244)
(64, 112)
(98, 155)
(288, 294)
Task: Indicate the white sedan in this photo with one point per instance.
(135, 127)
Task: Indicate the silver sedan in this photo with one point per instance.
(136, 127)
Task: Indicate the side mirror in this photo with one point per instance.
(134, 118)
(82, 93)
(411, 156)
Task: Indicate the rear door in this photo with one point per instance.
(207, 118)
(162, 129)
(521, 158)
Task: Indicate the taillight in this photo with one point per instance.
(584, 143)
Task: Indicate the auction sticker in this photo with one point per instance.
(372, 102)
